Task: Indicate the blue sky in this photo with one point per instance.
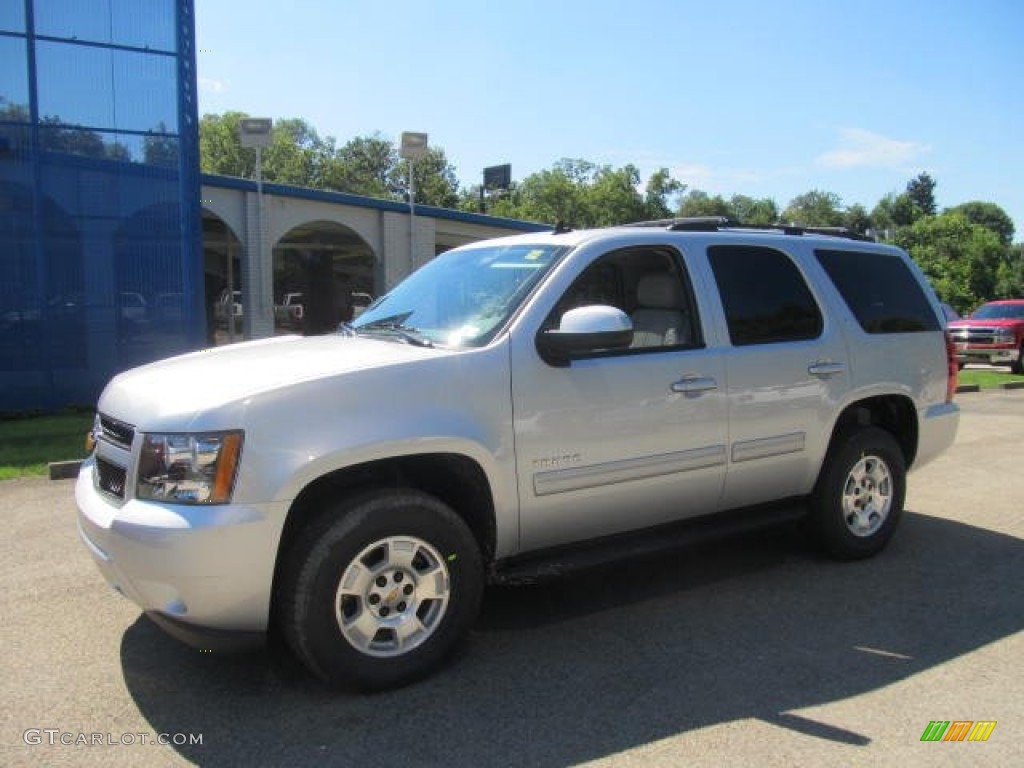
(764, 99)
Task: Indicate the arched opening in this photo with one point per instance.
(42, 305)
(222, 273)
(323, 275)
(152, 317)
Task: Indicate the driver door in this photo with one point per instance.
(618, 441)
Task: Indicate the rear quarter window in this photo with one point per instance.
(880, 290)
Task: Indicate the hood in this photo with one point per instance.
(986, 323)
(180, 387)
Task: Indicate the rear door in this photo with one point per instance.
(787, 369)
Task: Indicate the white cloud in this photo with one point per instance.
(212, 85)
(863, 149)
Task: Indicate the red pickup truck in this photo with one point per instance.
(993, 334)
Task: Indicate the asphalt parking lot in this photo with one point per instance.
(749, 652)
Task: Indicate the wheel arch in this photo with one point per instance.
(455, 479)
(895, 413)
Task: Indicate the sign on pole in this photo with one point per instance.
(498, 176)
(255, 131)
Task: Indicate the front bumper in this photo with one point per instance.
(207, 571)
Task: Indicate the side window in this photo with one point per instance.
(647, 284)
(765, 297)
(880, 290)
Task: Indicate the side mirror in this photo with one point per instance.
(585, 331)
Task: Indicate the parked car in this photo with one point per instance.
(360, 302)
(134, 307)
(229, 303)
(513, 410)
(993, 334)
(169, 307)
(290, 311)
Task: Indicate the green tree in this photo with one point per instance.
(295, 155)
(756, 212)
(894, 211)
(55, 136)
(857, 219)
(367, 165)
(660, 193)
(964, 261)
(220, 150)
(436, 183)
(160, 150)
(921, 190)
(988, 215)
(816, 208)
(697, 202)
(552, 195)
(582, 194)
(613, 196)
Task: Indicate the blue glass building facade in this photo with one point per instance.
(101, 263)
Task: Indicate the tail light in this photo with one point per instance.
(953, 368)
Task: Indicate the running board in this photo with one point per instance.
(554, 563)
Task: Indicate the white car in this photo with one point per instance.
(514, 409)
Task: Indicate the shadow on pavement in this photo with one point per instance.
(587, 667)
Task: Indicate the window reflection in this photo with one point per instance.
(13, 79)
(148, 24)
(158, 150)
(106, 89)
(12, 17)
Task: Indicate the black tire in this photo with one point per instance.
(1018, 365)
(414, 578)
(858, 499)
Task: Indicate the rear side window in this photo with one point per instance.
(880, 290)
(765, 297)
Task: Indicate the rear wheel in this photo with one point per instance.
(1018, 366)
(859, 496)
(379, 590)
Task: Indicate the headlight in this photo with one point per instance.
(189, 469)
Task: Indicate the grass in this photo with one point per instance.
(986, 378)
(28, 443)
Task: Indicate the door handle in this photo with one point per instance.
(694, 385)
(825, 368)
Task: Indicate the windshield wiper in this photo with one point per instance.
(407, 333)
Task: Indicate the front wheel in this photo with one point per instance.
(1018, 365)
(859, 496)
(377, 591)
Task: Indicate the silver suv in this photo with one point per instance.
(516, 408)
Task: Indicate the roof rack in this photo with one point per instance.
(688, 223)
(720, 223)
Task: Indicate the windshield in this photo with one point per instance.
(999, 312)
(461, 298)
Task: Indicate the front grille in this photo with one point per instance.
(116, 432)
(110, 478)
(974, 335)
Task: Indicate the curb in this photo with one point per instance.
(968, 388)
(1012, 385)
(64, 470)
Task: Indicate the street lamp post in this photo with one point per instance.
(253, 132)
(413, 148)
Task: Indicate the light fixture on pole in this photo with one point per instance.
(413, 148)
(253, 132)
